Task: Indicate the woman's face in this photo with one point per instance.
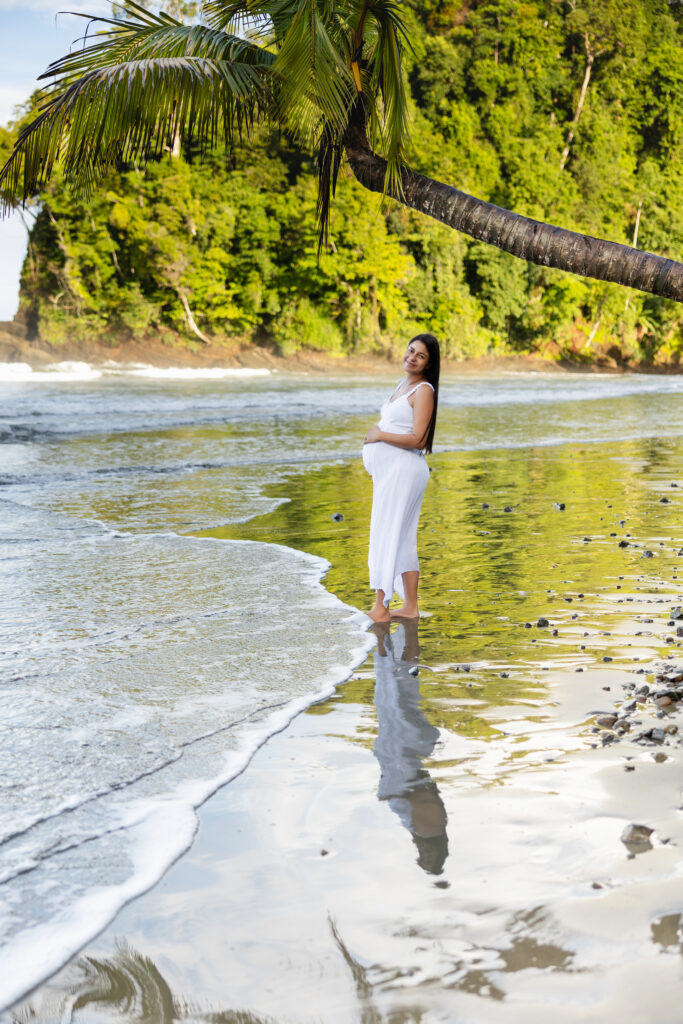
(416, 358)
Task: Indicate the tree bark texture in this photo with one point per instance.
(531, 240)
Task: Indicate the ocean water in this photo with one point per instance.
(144, 658)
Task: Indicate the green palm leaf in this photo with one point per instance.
(124, 97)
(147, 78)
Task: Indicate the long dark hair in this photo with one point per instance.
(430, 374)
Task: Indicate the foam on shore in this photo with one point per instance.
(71, 371)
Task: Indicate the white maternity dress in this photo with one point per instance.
(399, 478)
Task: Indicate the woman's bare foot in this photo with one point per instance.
(380, 613)
(405, 612)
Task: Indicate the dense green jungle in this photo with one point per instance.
(567, 111)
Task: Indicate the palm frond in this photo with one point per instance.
(150, 36)
(330, 151)
(388, 122)
(144, 80)
(130, 111)
(253, 17)
(314, 80)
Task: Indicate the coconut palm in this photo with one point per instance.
(327, 72)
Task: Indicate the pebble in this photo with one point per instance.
(606, 721)
(636, 833)
(606, 657)
(542, 622)
(648, 554)
(337, 517)
(664, 501)
(677, 613)
(559, 505)
(508, 508)
(414, 671)
(663, 702)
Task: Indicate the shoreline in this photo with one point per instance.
(14, 348)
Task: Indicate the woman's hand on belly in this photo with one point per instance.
(372, 435)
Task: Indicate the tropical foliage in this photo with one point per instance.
(566, 112)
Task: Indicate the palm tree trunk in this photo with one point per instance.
(531, 240)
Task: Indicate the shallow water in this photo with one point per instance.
(120, 479)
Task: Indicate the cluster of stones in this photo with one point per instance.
(665, 695)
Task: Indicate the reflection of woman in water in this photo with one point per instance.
(404, 737)
(393, 455)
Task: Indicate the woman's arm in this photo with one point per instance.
(423, 405)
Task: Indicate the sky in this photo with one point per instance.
(32, 34)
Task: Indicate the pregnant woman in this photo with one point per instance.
(393, 455)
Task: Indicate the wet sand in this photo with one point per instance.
(442, 839)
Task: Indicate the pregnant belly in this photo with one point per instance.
(380, 458)
(368, 457)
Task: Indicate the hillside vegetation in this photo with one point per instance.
(568, 112)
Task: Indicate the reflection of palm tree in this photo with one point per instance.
(128, 988)
(404, 738)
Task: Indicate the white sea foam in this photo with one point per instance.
(183, 372)
(67, 371)
(75, 371)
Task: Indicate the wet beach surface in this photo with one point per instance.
(450, 835)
